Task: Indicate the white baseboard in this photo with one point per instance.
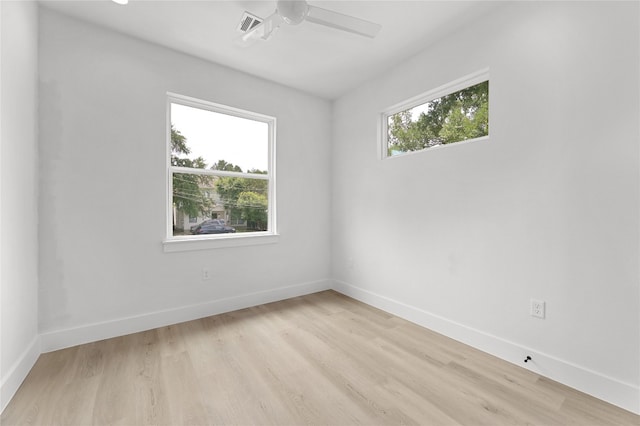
(18, 372)
(59, 339)
(616, 392)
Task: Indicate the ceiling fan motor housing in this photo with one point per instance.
(292, 11)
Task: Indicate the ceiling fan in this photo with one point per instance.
(293, 12)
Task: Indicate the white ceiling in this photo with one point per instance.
(310, 57)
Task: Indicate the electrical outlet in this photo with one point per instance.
(205, 274)
(537, 308)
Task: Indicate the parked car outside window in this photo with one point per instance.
(212, 226)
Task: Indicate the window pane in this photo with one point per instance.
(220, 205)
(206, 139)
(456, 117)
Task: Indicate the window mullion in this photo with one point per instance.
(222, 173)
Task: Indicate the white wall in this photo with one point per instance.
(18, 188)
(102, 147)
(546, 209)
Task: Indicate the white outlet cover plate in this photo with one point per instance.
(537, 308)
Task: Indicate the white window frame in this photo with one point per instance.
(173, 243)
(423, 98)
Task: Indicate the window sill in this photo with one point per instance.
(177, 244)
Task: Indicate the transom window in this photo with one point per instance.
(220, 171)
(456, 112)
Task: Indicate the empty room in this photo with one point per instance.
(319, 212)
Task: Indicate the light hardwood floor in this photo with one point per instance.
(318, 359)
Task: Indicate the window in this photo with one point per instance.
(220, 171)
(456, 112)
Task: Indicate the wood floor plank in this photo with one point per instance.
(320, 359)
(358, 381)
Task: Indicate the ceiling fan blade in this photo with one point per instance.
(263, 31)
(343, 22)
